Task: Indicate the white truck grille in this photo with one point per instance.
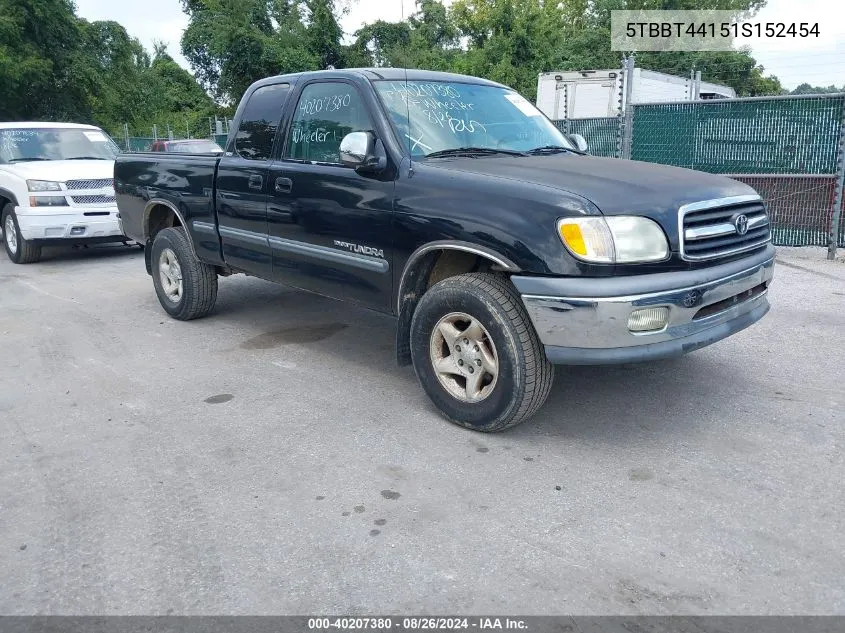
(93, 199)
(73, 185)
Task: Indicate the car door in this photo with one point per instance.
(242, 181)
(330, 226)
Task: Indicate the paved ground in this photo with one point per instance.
(272, 459)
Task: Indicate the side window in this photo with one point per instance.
(260, 121)
(326, 112)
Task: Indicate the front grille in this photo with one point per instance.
(92, 199)
(73, 185)
(713, 229)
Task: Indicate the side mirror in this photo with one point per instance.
(362, 151)
(579, 141)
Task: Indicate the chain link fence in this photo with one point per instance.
(145, 143)
(791, 150)
(216, 130)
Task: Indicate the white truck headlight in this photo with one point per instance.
(614, 240)
(43, 185)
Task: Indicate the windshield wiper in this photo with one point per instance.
(86, 158)
(25, 160)
(470, 151)
(553, 149)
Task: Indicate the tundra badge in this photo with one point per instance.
(357, 248)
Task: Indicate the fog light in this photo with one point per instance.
(648, 319)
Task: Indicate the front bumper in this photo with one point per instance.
(584, 321)
(55, 223)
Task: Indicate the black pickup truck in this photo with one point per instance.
(453, 204)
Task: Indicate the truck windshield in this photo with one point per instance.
(433, 117)
(19, 145)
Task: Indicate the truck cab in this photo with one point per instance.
(453, 204)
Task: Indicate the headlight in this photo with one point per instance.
(47, 201)
(43, 185)
(616, 239)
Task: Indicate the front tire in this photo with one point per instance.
(476, 354)
(186, 287)
(19, 250)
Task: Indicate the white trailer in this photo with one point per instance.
(596, 93)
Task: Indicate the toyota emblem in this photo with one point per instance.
(692, 298)
(741, 224)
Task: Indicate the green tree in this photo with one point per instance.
(56, 66)
(232, 43)
(110, 65)
(427, 39)
(737, 69)
(323, 34)
(511, 41)
(807, 89)
(40, 61)
(378, 44)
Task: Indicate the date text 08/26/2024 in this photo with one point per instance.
(416, 623)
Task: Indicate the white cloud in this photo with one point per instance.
(814, 60)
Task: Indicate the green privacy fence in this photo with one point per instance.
(600, 133)
(791, 150)
(740, 136)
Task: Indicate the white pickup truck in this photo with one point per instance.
(56, 186)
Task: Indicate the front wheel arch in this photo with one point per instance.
(429, 264)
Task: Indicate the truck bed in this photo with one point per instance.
(183, 182)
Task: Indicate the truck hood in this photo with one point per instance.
(615, 186)
(62, 170)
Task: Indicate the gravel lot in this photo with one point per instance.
(273, 459)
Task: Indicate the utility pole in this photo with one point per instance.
(836, 220)
(629, 108)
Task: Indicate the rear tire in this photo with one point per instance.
(186, 287)
(19, 250)
(477, 355)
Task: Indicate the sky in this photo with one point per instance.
(818, 61)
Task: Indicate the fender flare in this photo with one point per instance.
(5, 193)
(145, 222)
(403, 327)
(500, 262)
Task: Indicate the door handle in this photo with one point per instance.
(284, 185)
(255, 181)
